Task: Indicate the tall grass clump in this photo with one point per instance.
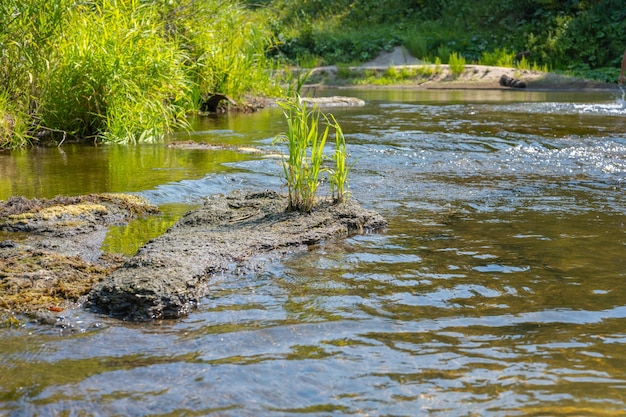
(13, 124)
(124, 70)
(27, 30)
(306, 146)
(457, 64)
(227, 47)
(113, 76)
(338, 175)
(497, 58)
(524, 64)
(443, 53)
(307, 132)
(417, 46)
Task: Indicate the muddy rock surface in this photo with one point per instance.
(237, 233)
(70, 225)
(50, 253)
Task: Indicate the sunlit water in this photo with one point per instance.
(497, 289)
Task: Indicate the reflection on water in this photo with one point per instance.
(496, 290)
(80, 169)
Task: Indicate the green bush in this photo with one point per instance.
(126, 70)
(392, 73)
(497, 58)
(335, 44)
(457, 64)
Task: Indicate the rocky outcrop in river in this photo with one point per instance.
(50, 253)
(236, 233)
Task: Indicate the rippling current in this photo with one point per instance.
(497, 289)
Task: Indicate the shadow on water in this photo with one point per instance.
(496, 289)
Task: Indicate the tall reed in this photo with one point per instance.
(338, 175)
(307, 133)
(27, 30)
(126, 70)
(13, 124)
(306, 146)
(226, 45)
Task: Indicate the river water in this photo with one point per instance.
(497, 289)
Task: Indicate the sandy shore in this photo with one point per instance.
(474, 76)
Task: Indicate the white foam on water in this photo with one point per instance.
(618, 107)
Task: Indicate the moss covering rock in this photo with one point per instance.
(50, 250)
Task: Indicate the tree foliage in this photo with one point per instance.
(561, 34)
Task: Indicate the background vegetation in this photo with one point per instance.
(131, 70)
(581, 36)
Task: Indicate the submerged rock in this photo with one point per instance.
(70, 216)
(334, 101)
(239, 232)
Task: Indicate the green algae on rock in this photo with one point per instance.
(50, 256)
(70, 215)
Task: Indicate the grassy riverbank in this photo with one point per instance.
(123, 70)
(399, 70)
(551, 44)
(584, 38)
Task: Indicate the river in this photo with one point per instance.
(497, 289)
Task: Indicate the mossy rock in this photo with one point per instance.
(58, 259)
(240, 232)
(34, 280)
(67, 216)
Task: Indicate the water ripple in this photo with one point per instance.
(495, 290)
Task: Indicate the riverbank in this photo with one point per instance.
(419, 77)
(477, 77)
(398, 69)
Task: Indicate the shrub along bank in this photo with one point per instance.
(582, 37)
(122, 70)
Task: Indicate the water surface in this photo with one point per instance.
(497, 289)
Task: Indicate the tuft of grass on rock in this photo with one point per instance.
(308, 129)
